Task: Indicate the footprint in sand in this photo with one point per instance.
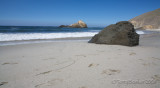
(3, 83)
(156, 78)
(100, 50)
(49, 83)
(110, 71)
(93, 54)
(9, 63)
(39, 85)
(83, 87)
(149, 64)
(92, 65)
(140, 59)
(49, 58)
(146, 64)
(155, 58)
(132, 53)
(64, 64)
(54, 81)
(44, 73)
(81, 55)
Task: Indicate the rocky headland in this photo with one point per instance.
(149, 20)
(79, 24)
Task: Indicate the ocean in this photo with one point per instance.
(13, 33)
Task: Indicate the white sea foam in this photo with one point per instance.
(29, 36)
(140, 32)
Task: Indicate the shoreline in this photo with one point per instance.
(18, 42)
(19, 38)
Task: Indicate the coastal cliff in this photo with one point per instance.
(149, 20)
(79, 24)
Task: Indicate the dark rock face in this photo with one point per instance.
(63, 26)
(121, 33)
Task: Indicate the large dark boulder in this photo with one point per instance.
(121, 33)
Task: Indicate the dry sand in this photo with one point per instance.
(78, 64)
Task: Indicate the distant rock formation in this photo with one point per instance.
(149, 20)
(79, 24)
(63, 26)
(121, 33)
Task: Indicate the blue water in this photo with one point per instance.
(44, 29)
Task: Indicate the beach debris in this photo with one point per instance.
(121, 33)
(90, 65)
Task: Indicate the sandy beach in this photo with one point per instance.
(78, 64)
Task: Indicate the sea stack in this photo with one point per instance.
(149, 20)
(79, 24)
(121, 33)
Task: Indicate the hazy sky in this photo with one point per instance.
(57, 12)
